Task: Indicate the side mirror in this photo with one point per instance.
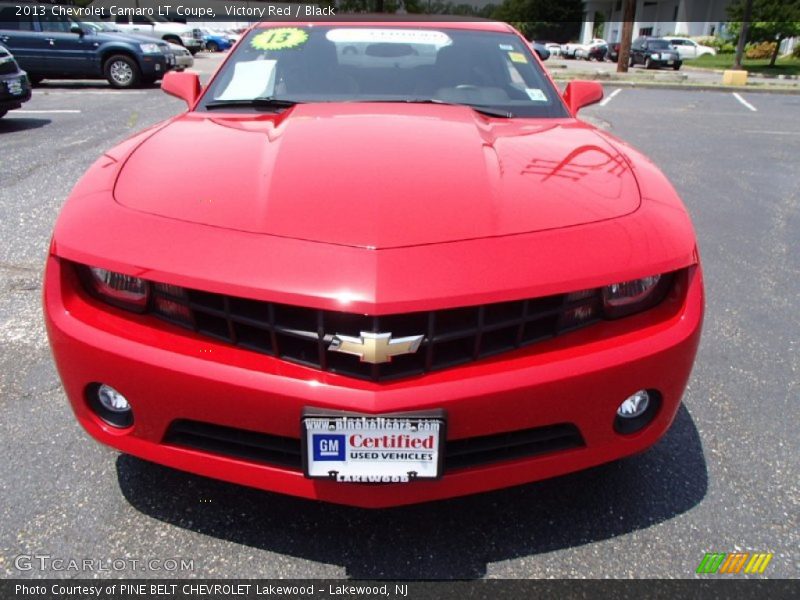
(542, 51)
(581, 93)
(184, 85)
(75, 28)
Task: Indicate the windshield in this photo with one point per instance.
(98, 27)
(494, 71)
(659, 44)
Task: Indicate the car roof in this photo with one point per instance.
(402, 21)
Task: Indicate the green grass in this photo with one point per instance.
(783, 66)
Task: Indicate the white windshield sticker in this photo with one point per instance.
(390, 36)
(536, 94)
(251, 79)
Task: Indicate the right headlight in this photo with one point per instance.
(150, 48)
(124, 291)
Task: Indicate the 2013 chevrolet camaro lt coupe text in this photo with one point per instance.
(412, 273)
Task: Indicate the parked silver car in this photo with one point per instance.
(183, 58)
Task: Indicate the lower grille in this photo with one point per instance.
(236, 443)
(511, 445)
(286, 452)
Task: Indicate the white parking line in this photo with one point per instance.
(759, 131)
(108, 92)
(43, 112)
(744, 102)
(610, 97)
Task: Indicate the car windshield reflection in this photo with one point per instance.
(493, 71)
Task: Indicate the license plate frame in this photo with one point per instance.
(329, 432)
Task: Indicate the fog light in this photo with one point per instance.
(634, 406)
(637, 411)
(110, 405)
(112, 400)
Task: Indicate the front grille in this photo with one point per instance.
(286, 452)
(303, 335)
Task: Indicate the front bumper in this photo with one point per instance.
(191, 43)
(154, 66)
(8, 83)
(169, 374)
(666, 62)
(183, 61)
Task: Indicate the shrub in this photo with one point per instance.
(722, 46)
(762, 50)
(796, 51)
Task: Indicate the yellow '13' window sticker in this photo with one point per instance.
(280, 38)
(517, 57)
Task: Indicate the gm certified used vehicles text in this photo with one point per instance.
(412, 265)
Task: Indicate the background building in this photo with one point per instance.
(656, 17)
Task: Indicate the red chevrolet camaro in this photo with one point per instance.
(406, 273)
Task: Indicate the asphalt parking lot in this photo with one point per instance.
(724, 479)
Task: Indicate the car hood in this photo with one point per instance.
(363, 175)
(103, 37)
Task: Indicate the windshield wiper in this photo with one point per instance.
(258, 102)
(478, 108)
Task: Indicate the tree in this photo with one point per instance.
(543, 19)
(769, 21)
(623, 58)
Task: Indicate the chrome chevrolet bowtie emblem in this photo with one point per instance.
(375, 348)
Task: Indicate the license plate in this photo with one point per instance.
(373, 449)
(669, 62)
(14, 87)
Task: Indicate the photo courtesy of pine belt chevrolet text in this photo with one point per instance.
(412, 274)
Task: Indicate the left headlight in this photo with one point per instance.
(628, 297)
(150, 48)
(125, 291)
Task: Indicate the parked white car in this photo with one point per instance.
(689, 48)
(177, 33)
(595, 50)
(568, 50)
(555, 49)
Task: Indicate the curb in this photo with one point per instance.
(780, 77)
(699, 87)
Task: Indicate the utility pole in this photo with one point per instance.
(743, 31)
(628, 16)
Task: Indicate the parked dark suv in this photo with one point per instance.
(46, 44)
(654, 53)
(14, 85)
